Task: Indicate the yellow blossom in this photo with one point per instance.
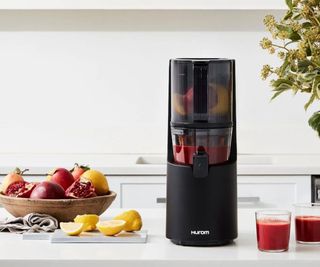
(271, 50)
(296, 26)
(291, 54)
(269, 21)
(282, 35)
(281, 55)
(301, 54)
(305, 11)
(265, 72)
(265, 43)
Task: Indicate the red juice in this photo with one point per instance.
(308, 228)
(184, 154)
(273, 234)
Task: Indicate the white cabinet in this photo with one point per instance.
(273, 191)
(138, 191)
(151, 195)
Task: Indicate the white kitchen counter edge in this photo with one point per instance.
(160, 170)
(118, 165)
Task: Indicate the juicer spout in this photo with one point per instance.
(200, 164)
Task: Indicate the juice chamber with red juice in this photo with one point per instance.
(202, 152)
(307, 223)
(188, 142)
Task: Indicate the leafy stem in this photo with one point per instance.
(300, 65)
(291, 42)
(281, 47)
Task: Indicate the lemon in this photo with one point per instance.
(71, 228)
(111, 227)
(89, 221)
(98, 180)
(223, 104)
(132, 218)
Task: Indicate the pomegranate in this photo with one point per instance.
(78, 170)
(81, 188)
(20, 189)
(48, 190)
(15, 176)
(61, 177)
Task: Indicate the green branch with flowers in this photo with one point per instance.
(296, 41)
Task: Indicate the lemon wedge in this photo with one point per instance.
(71, 228)
(132, 218)
(111, 227)
(89, 221)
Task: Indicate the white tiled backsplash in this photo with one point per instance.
(96, 82)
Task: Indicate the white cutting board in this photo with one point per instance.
(96, 237)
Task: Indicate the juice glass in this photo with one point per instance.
(273, 230)
(307, 222)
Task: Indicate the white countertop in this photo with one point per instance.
(125, 164)
(158, 251)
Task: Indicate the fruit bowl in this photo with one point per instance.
(64, 210)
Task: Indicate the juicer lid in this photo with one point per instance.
(201, 60)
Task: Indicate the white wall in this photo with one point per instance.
(96, 82)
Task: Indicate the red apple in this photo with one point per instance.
(61, 177)
(47, 190)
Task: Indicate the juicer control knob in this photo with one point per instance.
(200, 164)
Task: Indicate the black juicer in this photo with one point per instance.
(202, 152)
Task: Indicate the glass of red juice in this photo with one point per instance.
(273, 230)
(307, 223)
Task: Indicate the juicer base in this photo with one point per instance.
(202, 243)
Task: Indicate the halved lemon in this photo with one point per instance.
(132, 218)
(89, 221)
(111, 227)
(71, 228)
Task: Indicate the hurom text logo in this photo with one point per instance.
(200, 232)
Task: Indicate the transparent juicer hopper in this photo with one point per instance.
(201, 109)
